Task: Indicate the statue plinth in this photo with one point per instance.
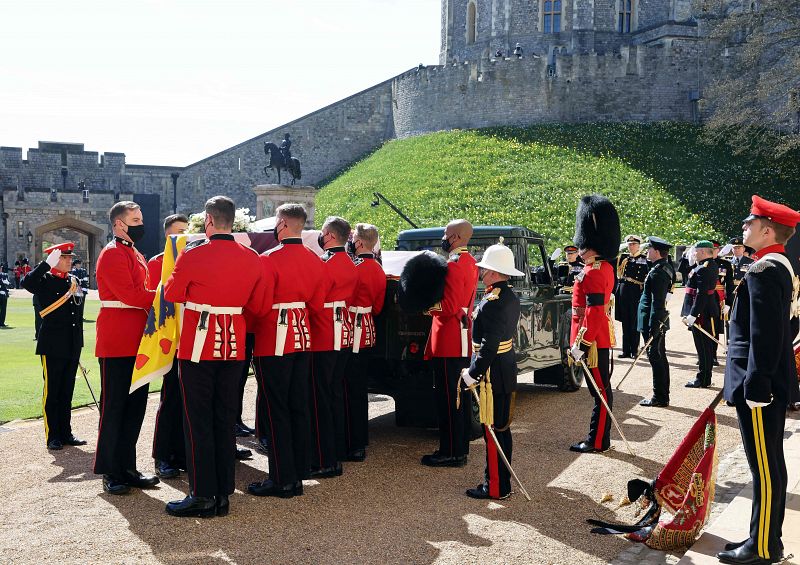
(270, 196)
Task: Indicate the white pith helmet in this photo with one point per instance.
(500, 259)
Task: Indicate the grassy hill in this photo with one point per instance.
(663, 179)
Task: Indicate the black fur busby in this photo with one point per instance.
(597, 226)
(422, 282)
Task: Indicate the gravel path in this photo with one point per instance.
(388, 509)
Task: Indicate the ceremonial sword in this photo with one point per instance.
(84, 372)
(603, 400)
(500, 449)
(704, 332)
(642, 350)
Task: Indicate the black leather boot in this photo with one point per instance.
(193, 506)
(223, 504)
(269, 488)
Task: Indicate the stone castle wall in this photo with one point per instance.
(325, 141)
(642, 83)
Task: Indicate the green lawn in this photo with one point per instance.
(663, 179)
(21, 368)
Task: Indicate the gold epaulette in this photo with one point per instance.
(494, 294)
(596, 264)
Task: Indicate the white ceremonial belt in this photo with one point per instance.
(221, 310)
(117, 304)
(202, 324)
(359, 311)
(465, 333)
(282, 327)
(338, 306)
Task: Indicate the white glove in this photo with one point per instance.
(576, 352)
(726, 310)
(689, 320)
(667, 298)
(53, 258)
(468, 381)
(753, 404)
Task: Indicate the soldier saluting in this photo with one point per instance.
(760, 377)
(60, 339)
(701, 309)
(653, 318)
(494, 364)
(631, 270)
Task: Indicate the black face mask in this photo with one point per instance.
(446, 245)
(275, 232)
(350, 248)
(135, 232)
(321, 241)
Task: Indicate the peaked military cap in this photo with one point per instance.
(658, 243)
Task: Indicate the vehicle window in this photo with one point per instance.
(536, 258)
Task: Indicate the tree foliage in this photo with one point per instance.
(755, 107)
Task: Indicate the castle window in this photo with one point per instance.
(472, 23)
(551, 16)
(625, 16)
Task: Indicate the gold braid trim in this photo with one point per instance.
(487, 400)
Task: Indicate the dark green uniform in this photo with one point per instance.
(653, 320)
(701, 302)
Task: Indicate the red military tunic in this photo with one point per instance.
(590, 297)
(293, 275)
(194, 282)
(341, 277)
(122, 279)
(449, 318)
(367, 300)
(154, 268)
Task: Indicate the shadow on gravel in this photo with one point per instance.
(76, 464)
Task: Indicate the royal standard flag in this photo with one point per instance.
(162, 332)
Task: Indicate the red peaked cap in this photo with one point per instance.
(66, 248)
(778, 213)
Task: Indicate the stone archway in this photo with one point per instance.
(59, 229)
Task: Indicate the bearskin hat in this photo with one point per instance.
(597, 226)
(422, 282)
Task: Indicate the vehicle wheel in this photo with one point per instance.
(572, 374)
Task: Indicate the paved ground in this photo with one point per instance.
(388, 509)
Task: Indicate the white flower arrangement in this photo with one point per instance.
(241, 221)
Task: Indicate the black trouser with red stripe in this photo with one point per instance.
(168, 443)
(356, 401)
(600, 425)
(657, 355)
(320, 403)
(762, 436)
(497, 476)
(59, 384)
(283, 388)
(454, 423)
(209, 390)
(121, 417)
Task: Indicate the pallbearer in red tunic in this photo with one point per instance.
(168, 446)
(211, 354)
(597, 235)
(294, 288)
(367, 303)
(331, 343)
(450, 347)
(125, 299)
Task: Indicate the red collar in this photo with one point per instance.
(60, 274)
(777, 248)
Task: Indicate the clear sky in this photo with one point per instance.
(169, 82)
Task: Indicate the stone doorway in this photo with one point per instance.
(88, 238)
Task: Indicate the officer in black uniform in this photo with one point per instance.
(81, 274)
(740, 262)
(60, 339)
(631, 271)
(653, 317)
(569, 269)
(724, 290)
(494, 365)
(760, 377)
(5, 285)
(701, 308)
